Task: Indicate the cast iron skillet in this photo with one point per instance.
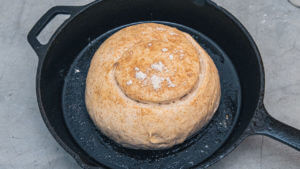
(64, 61)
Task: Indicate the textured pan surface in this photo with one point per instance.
(191, 152)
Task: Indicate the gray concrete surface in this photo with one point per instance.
(26, 143)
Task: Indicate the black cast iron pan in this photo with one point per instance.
(64, 61)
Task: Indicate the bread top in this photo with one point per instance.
(158, 70)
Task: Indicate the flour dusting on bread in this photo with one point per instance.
(158, 66)
(129, 82)
(140, 75)
(170, 83)
(164, 49)
(156, 81)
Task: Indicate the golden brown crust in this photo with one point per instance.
(151, 86)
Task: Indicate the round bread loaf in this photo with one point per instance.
(151, 86)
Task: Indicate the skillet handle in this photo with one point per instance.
(39, 48)
(264, 124)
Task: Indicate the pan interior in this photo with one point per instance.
(190, 153)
